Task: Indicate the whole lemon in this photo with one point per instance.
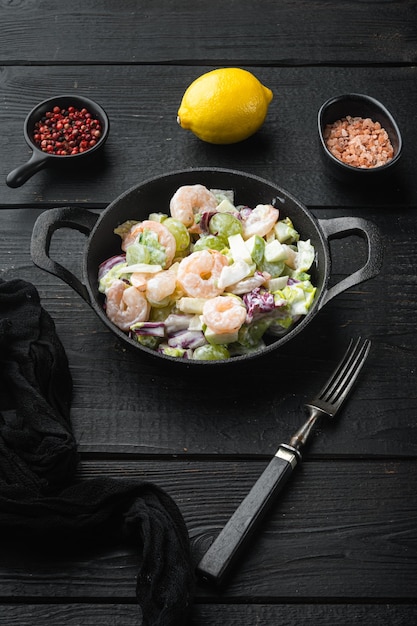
(224, 106)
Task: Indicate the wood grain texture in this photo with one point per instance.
(340, 545)
(145, 139)
(212, 614)
(387, 614)
(267, 33)
(355, 546)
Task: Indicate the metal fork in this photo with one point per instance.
(225, 549)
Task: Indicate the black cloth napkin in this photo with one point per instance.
(40, 497)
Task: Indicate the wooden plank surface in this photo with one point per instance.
(340, 545)
(145, 139)
(266, 33)
(387, 614)
(332, 536)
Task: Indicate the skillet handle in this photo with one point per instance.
(45, 226)
(340, 227)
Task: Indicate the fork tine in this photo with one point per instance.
(329, 400)
(345, 375)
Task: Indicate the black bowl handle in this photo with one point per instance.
(21, 174)
(45, 226)
(340, 227)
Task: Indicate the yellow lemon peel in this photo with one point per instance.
(224, 106)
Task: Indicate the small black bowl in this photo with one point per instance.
(358, 105)
(41, 159)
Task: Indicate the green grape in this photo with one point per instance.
(210, 242)
(159, 314)
(224, 225)
(275, 268)
(182, 254)
(211, 352)
(180, 232)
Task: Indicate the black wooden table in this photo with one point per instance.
(340, 545)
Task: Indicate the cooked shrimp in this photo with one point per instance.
(161, 285)
(125, 305)
(140, 280)
(224, 314)
(199, 273)
(190, 200)
(165, 237)
(259, 221)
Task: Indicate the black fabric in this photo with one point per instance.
(41, 499)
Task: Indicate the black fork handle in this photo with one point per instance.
(226, 548)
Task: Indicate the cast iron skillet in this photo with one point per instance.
(153, 195)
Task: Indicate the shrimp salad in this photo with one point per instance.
(209, 280)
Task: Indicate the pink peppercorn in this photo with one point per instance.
(67, 131)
